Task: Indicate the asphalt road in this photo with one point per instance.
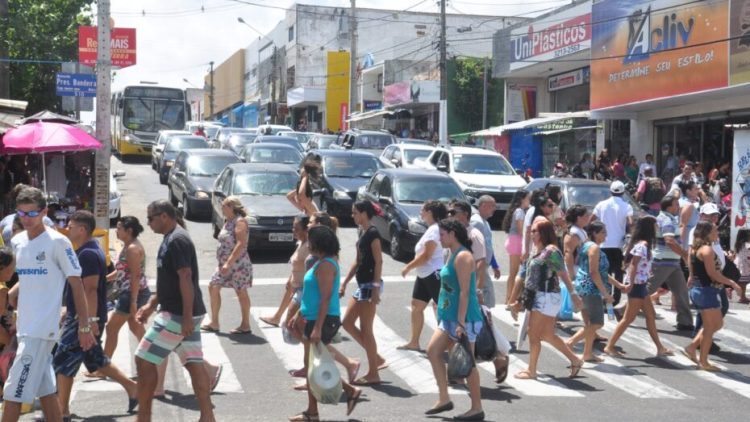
(255, 385)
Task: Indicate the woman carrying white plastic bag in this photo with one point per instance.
(320, 313)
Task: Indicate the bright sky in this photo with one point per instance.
(176, 40)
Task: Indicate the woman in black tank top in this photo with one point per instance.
(707, 281)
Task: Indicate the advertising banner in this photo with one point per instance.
(337, 89)
(643, 51)
(122, 41)
(558, 35)
(739, 45)
(741, 183)
(412, 92)
(568, 79)
(521, 102)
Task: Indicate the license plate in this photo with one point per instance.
(280, 237)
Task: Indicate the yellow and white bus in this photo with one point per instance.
(140, 112)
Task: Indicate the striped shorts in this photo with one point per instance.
(164, 336)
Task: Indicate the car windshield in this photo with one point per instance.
(372, 141)
(211, 131)
(350, 166)
(481, 164)
(178, 144)
(273, 155)
(412, 154)
(264, 183)
(325, 141)
(208, 166)
(239, 140)
(590, 195)
(153, 115)
(300, 137)
(416, 191)
(291, 142)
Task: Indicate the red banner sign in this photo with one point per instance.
(122, 42)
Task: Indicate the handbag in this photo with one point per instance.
(323, 377)
(527, 298)
(485, 347)
(460, 359)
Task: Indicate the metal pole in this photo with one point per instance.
(443, 80)
(77, 98)
(103, 100)
(273, 104)
(4, 69)
(353, 106)
(484, 95)
(211, 93)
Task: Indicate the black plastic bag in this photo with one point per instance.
(460, 359)
(485, 348)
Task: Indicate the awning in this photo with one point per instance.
(356, 117)
(554, 132)
(304, 96)
(545, 118)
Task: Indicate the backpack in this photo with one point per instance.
(654, 191)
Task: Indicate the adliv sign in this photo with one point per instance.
(122, 41)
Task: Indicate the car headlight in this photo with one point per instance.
(416, 227)
(201, 195)
(169, 163)
(339, 194)
(251, 220)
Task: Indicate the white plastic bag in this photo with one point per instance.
(523, 329)
(287, 336)
(503, 345)
(323, 377)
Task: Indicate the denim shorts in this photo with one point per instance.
(705, 298)
(122, 306)
(547, 303)
(472, 329)
(594, 306)
(364, 291)
(639, 291)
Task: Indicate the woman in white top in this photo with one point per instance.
(638, 260)
(578, 217)
(513, 226)
(428, 261)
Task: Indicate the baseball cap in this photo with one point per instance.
(617, 187)
(709, 208)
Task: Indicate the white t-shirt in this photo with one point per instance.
(527, 220)
(435, 263)
(643, 271)
(716, 247)
(43, 265)
(614, 213)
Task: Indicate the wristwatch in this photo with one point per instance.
(84, 329)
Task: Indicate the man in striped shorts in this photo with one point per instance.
(176, 326)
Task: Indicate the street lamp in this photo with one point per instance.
(188, 82)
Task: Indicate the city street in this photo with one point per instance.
(255, 384)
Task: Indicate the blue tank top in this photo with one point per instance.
(450, 291)
(310, 303)
(584, 284)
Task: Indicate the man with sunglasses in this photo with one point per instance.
(45, 259)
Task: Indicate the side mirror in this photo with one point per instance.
(179, 174)
(118, 174)
(219, 194)
(395, 162)
(385, 200)
(443, 168)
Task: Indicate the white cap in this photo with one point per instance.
(617, 187)
(709, 208)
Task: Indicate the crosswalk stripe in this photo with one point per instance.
(543, 386)
(741, 312)
(616, 374)
(733, 342)
(730, 380)
(291, 356)
(214, 353)
(280, 281)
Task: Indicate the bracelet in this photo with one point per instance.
(94, 319)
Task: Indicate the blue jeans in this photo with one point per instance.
(724, 309)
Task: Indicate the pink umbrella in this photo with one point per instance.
(41, 137)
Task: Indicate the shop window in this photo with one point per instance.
(291, 33)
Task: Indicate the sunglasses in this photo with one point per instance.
(31, 214)
(151, 217)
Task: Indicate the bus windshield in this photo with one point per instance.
(150, 115)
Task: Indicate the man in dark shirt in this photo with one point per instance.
(69, 355)
(181, 309)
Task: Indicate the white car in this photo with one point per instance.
(404, 155)
(478, 172)
(115, 212)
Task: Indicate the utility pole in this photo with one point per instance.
(273, 103)
(211, 92)
(103, 100)
(484, 95)
(353, 59)
(443, 137)
(4, 69)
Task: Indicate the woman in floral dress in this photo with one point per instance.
(234, 267)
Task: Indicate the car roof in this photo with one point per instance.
(187, 136)
(343, 153)
(469, 150)
(571, 181)
(414, 146)
(269, 138)
(174, 132)
(208, 152)
(369, 132)
(261, 168)
(402, 173)
(269, 145)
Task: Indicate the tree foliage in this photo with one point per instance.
(45, 31)
(468, 79)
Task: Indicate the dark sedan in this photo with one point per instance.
(344, 172)
(401, 193)
(238, 140)
(271, 153)
(173, 147)
(192, 179)
(262, 188)
(286, 140)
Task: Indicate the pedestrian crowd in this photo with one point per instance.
(556, 255)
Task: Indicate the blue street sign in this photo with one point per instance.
(76, 85)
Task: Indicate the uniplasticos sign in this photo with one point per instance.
(553, 37)
(646, 50)
(122, 42)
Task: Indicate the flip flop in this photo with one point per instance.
(709, 368)
(240, 331)
(614, 353)
(353, 373)
(411, 349)
(689, 356)
(304, 417)
(575, 369)
(209, 329)
(665, 352)
(217, 377)
(383, 366)
(524, 375)
(365, 382)
(351, 402)
(95, 375)
(300, 387)
(268, 321)
(595, 359)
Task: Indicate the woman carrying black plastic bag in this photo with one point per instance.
(458, 315)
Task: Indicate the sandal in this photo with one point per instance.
(575, 369)
(665, 352)
(209, 329)
(240, 331)
(305, 417)
(351, 401)
(614, 353)
(269, 322)
(365, 382)
(709, 368)
(524, 375)
(301, 387)
(689, 356)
